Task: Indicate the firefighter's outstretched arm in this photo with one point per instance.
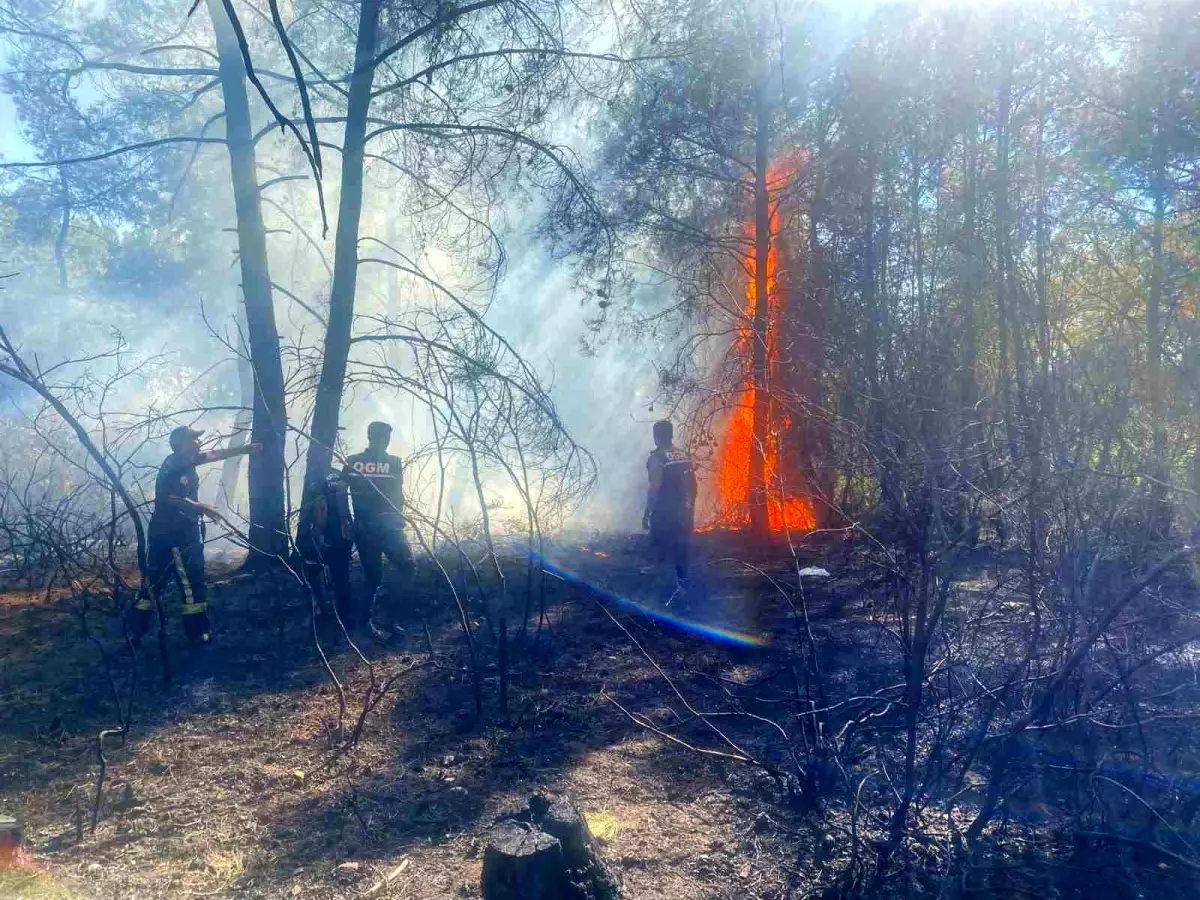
(186, 503)
(211, 456)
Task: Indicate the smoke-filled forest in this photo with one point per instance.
(536, 449)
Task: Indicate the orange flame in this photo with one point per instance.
(731, 479)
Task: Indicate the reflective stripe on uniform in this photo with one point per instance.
(190, 606)
(144, 604)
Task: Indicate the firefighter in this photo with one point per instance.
(670, 501)
(376, 482)
(176, 542)
(325, 539)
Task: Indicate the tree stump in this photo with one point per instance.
(520, 864)
(586, 872)
(547, 853)
(10, 840)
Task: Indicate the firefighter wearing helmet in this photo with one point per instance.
(176, 541)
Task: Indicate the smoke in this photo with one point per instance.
(176, 311)
(605, 396)
(183, 338)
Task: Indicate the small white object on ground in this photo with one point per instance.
(814, 572)
(388, 878)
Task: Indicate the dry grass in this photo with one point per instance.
(219, 810)
(23, 884)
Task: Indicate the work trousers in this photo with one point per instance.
(672, 538)
(377, 539)
(179, 558)
(327, 568)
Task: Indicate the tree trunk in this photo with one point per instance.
(918, 622)
(1046, 389)
(1038, 520)
(1154, 328)
(64, 230)
(268, 523)
(968, 389)
(968, 395)
(876, 424)
(11, 834)
(918, 246)
(821, 471)
(327, 409)
(1004, 376)
(759, 520)
(546, 854)
(1193, 376)
(520, 864)
(242, 423)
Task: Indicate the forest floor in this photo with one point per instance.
(236, 781)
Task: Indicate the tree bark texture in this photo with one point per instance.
(267, 469)
(327, 411)
(243, 422)
(547, 853)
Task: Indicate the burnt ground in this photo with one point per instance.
(232, 783)
(235, 781)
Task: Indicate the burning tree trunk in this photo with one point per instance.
(758, 481)
(759, 312)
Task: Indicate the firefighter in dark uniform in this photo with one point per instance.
(670, 500)
(176, 543)
(376, 482)
(325, 539)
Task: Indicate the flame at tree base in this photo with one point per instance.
(731, 479)
(785, 511)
